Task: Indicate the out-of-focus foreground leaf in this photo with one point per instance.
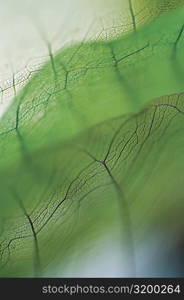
(81, 157)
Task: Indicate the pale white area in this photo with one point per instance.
(26, 26)
(107, 258)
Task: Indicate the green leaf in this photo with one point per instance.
(84, 152)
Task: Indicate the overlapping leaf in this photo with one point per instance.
(80, 156)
